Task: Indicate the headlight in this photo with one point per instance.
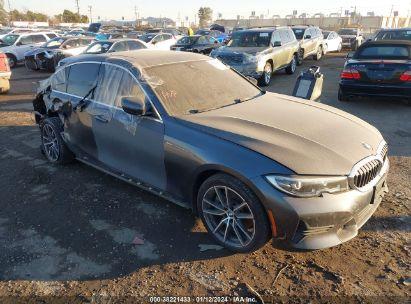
(308, 186)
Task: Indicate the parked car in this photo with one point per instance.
(196, 44)
(5, 74)
(6, 31)
(378, 69)
(352, 38)
(261, 51)
(16, 45)
(115, 45)
(219, 36)
(252, 164)
(161, 41)
(49, 55)
(311, 42)
(135, 34)
(393, 34)
(332, 42)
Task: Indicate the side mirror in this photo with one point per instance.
(19, 43)
(277, 43)
(133, 105)
(350, 55)
(307, 37)
(154, 42)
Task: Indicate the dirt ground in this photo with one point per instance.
(74, 234)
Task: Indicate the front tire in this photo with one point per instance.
(12, 60)
(300, 57)
(232, 214)
(292, 66)
(265, 79)
(319, 54)
(52, 144)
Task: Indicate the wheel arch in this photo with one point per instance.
(207, 171)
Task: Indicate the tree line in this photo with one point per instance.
(66, 17)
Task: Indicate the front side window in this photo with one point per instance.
(119, 47)
(39, 38)
(83, 78)
(25, 40)
(135, 45)
(200, 86)
(394, 35)
(99, 47)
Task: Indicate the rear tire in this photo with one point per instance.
(240, 223)
(52, 144)
(292, 66)
(12, 60)
(342, 96)
(300, 57)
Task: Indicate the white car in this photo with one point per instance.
(20, 30)
(15, 46)
(159, 41)
(332, 41)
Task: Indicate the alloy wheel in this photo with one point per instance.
(319, 53)
(228, 216)
(294, 64)
(50, 143)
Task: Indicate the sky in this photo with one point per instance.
(116, 9)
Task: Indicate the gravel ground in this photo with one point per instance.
(74, 234)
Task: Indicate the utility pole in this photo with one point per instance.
(78, 7)
(8, 2)
(90, 12)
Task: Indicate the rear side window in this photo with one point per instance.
(383, 52)
(38, 38)
(82, 78)
(135, 45)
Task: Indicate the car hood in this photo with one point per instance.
(306, 137)
(240, 50)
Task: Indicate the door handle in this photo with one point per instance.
(102, 118)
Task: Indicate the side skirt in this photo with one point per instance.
(134, 182)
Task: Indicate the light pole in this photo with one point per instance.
(90, 12)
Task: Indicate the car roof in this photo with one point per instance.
(142, 59)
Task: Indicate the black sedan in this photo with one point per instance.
(378, 69)
(196, 44)
(252, 164)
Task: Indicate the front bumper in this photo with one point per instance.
(400, 91)
(321, 222)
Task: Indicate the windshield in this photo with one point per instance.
(347, 32)
(200, 86)
(394, 35)
(100, 47)
(10, 39)
(147, 37)
(188, 40)
(299, 33)
(250, 39)
(383, 52)
(54, 43)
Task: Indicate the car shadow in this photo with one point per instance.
(75, 223)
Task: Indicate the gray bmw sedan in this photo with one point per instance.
(253, 165)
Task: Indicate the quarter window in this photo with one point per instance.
(82, 78)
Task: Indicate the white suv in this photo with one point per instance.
(16, 45)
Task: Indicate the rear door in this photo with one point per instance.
(82, 79)
(128, 144)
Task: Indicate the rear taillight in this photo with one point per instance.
(406, 76)
(350, 74)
